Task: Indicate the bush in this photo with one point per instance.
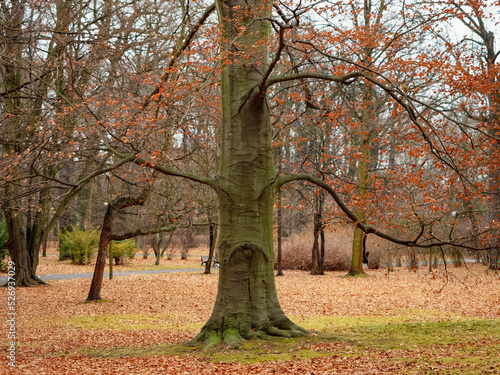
(188, 241)
(123, 249)
(296, 250)
(79, 245)
(4, 252)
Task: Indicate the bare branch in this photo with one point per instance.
(280, 181)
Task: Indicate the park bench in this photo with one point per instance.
(204, 260)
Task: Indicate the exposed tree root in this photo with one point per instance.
(27, 281)
(354, 274)
(234, 335)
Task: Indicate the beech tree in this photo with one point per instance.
(475, 18)
(246, 182)
(223, 74)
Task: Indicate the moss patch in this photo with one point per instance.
(428, 339)
(128, 322)
(284, 349)
(411, 329)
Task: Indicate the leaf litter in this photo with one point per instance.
(57, 333)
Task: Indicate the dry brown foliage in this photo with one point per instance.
(173, 307)
(297, 249)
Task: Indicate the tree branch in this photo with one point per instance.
(345, 79)
(280, 181)
(177, 53)
(140, 232)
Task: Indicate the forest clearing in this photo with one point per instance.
(401, 322)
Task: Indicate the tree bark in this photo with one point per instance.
(247, 303)
(316, 258)
(156, 244)
(95, 286)
(363, 162)
(494, 176)
(210, 250)
(105, 238)
(280, 236)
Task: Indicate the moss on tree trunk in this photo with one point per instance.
(247, 304)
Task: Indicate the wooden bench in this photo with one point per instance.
(204, 260)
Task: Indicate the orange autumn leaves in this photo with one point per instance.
(58, 334)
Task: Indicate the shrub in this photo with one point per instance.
(4, 252)
(456, 258)
(188, 241)
(296, 250)
(123, 249)
(79, 245)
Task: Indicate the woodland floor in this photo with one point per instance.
(404, 322)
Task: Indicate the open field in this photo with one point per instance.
(404, 322)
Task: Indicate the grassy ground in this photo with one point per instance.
(404, 322)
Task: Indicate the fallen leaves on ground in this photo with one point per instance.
(56, 330)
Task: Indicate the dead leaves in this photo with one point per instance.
(59, 334)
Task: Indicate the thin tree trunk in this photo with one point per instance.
(210, 250)
(363, 162)
(156, 244)
(280, 235)
(105, 238)
(321, 234)
(110, 260)
(167, 244)
(322, 249)
(95, 286)
(315, 261)
(44, 250)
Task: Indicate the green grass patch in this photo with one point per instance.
(410, 329)
(284, 349)
(129, 322)
(430, 338)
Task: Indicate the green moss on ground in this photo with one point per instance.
(426, 338)
(411, 329)
(130, 322)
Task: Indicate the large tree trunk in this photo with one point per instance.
(39, 230)
(247, 304)
(363, 163)
(18, 250)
